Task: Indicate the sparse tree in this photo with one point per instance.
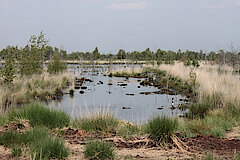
(31, 59)
(9, 70)
(56, 65)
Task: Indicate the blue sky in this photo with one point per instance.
(81, 25)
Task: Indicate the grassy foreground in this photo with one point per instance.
(37, 140)
(214, 113)
(40, 141)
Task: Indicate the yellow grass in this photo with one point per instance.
(23, 88)
(210, 80)
(128, 70)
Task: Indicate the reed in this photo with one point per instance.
(29, 89)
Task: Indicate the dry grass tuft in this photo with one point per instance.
(25, 90)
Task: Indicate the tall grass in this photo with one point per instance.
(29, 89)
(39, 114)
(40, 142)
(127, 71)
(211, 80)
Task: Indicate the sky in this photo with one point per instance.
(81, 25)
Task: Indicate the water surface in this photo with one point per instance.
(99, 95)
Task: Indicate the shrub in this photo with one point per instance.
(99, 150)
(39, 114)
(56, 65)
(162, 128)
(98, 122)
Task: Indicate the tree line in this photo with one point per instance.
(39, 44)
(31, 59)
(221, 57)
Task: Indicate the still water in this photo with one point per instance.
(99, 95)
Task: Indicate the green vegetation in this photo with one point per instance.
(40, 115)
(162, 128)
(209, 156)
(36, 88)
(9, 70)
(99, 150)
(3, 119)
(56, 65)
(216, 121)
(25, 79)
(98, 123)
(127, 129)
(22, 79)
(31, 56)
(40, 142)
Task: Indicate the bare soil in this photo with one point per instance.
(141, 147)
(223, 147)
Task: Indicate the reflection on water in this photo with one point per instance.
(102, 96)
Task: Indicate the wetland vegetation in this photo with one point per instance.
(199, 95)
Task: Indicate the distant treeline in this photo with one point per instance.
(221, 57)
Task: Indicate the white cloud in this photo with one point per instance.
(127, 5)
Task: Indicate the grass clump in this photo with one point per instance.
(99, 150)
(162, 128)
(16, 151)
(98, 123)
(39, 114)
(127, 129)
(209, 156)
(217, 122)
(39, 141)
(3, 119)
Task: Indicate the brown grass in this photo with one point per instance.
(23, 90)
(210, 80)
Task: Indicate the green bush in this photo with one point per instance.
(39, 114)
(98, 123)
(99, 150)
(40, 142)
(162, 128)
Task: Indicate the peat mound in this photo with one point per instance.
(19, 125)
(223, 147)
